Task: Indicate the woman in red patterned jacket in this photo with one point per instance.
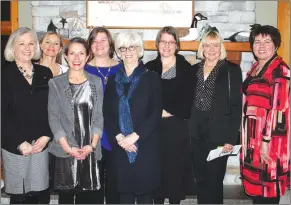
(265, 133)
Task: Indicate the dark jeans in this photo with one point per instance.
(83, 197)
(129, 198)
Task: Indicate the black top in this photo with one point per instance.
(226, 105)
(24, 106)
(143, 175)
(176, 92)
(205, 88)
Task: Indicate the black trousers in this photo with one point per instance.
(82, 197)
(264, 200)
(130, 198)
(209, 175)
(42, 197)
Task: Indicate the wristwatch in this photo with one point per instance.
(93, 148)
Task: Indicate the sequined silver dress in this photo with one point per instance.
(69, 172)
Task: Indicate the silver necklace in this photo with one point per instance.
(104, 76)
(26, 75)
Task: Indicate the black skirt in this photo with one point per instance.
(177, 174)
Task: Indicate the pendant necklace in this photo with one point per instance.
(104, 76)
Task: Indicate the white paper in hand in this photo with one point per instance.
(215, 153)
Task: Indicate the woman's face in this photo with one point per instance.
(51, 45)
(129, 55)
(100, 45)
(264, 48)
(212, 49)
(77, 56)
(167, 45)
(24, 48)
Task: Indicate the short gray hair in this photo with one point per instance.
(127, 39)
(214, 35)
(9, 49)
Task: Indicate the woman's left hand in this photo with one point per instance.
(40, 144)
(128, 141)
(227, 148)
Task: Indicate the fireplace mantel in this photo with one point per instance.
(234, 49)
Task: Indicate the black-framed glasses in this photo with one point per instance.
(171, 43)
(130, 48)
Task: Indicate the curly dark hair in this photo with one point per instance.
(265, 30)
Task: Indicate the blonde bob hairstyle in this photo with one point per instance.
(126, 39)
(211, 35)
(9, 49)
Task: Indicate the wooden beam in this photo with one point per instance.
(14, 15)
(5, 27)
(283, 24)
(193, 46)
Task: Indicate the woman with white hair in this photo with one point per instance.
(215, 115)
(25, 127)
(132, 109)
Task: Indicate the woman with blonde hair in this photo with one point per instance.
(25, 127)
(215, 115)
(51, 45)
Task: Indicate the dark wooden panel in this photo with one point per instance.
(5, 10)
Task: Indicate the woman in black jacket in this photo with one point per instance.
(132, 110)
(174, 72)
(25, 128)
(215, 116)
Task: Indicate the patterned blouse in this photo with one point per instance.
(170, 74)
(205, 88)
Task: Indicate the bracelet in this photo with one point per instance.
(93, 148)
(264, 140)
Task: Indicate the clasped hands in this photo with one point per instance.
(80, 153)
(128, 142)
(27, 148)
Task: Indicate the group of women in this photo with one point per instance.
(126, 130)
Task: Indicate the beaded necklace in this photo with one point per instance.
(26, 75)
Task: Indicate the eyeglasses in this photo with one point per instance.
(130, 48)
(171, 43)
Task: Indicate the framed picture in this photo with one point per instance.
(139, 14)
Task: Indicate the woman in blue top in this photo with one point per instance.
(103, 65)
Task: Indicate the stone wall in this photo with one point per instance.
(229, 17)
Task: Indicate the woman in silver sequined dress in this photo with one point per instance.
(76, 120)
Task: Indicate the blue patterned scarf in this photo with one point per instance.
(125, 121)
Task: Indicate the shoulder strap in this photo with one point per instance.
(229, 87)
